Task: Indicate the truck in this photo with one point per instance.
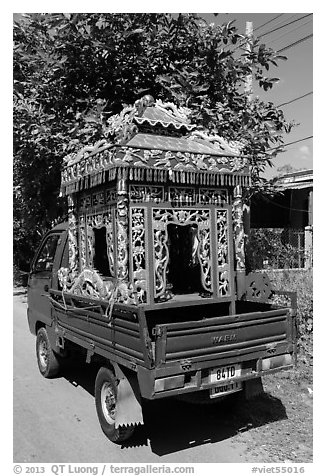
(147, 279)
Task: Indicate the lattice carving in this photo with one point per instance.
(82, 242)
(258, 287)
(183, 196)
(99, 220)
(139, 257)
(237, 212)
(161, 218)
(223, 260)
(122, 227)
(224, 283)
(146, 193)
(72, 234)
(213, 196)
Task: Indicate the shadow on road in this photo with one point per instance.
(171, 425)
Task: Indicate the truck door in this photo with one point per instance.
(41, 278)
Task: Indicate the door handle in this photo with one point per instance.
(46, 288)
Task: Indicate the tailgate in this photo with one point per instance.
(226, 336)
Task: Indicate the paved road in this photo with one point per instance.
(55, 420)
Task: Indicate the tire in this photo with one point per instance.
(105, 401)
(47, 361)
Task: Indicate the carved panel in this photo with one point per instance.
(238, 229)
(161, 218)
(223, 260)
(146, 193)
(72, 235)
(99, 220)
(122, 227)
(213, 196)
(110, 196)
(82, 242)
(88, 201)
(184, 196)
(139, 260)
(98, 199)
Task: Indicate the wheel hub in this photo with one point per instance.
(43, 353)
(108, 402)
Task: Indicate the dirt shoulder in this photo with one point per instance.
(278, 425)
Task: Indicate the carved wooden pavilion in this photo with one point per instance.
(155, 212)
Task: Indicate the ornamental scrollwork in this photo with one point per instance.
(122, 228)
(161, 218)
(223, 261)
(89, 283)
(146, 193)
(238, 231)
(72, 236)
(97, 221)
(139, 258)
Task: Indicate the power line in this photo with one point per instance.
(246, 40)
(283, 26)
(284, 20)
(295, 43)
(269, 21)
(290, 31)
(291, 143)
(295, 99)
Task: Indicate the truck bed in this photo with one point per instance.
(186, 350)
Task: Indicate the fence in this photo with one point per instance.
(279, 248)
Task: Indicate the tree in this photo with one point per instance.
(71, 71)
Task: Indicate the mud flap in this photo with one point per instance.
(253, 388)
(128, 409)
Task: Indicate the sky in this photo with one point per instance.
(295, 74)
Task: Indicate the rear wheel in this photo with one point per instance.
(48, 363)
(106, 401)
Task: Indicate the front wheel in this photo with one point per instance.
(48, 363)
(106, 401)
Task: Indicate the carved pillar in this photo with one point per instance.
(122, 225)
(239, 243)
(73, 235)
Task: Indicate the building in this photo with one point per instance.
(287, 217)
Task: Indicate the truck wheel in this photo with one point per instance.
(105, 400)
(47, 360)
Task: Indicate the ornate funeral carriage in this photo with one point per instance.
(148, 278)
(153, 210)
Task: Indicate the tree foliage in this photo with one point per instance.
(71, 71)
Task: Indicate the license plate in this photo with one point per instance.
(225, 389)
(221, 374)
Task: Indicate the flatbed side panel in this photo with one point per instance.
(227, 335)
(121, 332)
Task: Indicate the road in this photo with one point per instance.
(55, 420)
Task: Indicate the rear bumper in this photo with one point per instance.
(153, 385)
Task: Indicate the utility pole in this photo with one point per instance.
(248, 87)
(249, 36)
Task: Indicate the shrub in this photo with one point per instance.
(300, 281)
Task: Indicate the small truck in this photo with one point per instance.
(147, 279)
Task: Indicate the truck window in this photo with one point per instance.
(45, 259)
